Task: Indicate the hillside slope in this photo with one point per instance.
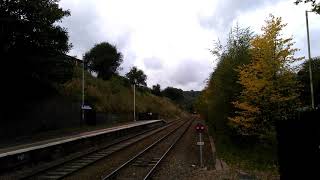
(189, 98)
(116, 96)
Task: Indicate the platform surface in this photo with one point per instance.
(7, 151)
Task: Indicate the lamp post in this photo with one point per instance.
(309, 55)
(134, 100)
(82, 106)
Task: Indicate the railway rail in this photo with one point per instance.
(144, 164)
(71, 166)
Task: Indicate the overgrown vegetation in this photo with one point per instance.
(253, 86)
(32, 48)
(222, 88)
(116, 95)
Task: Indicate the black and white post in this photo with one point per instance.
(200, 147)
(200, 143)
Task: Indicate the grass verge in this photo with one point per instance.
(251, 158)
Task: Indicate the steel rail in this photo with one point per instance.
(127, 163)
(44, 171)
(148, 176)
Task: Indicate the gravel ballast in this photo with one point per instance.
(183, 161)
(108, 164)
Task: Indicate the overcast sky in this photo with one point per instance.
(169, 39)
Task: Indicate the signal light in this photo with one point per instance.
(199, 128)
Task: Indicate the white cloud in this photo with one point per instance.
(295, 18)
(153, 63)
(175, 34)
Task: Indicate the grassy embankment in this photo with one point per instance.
(116, 96)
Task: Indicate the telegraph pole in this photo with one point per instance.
(134, 101)
(310, 62)
(82, 106)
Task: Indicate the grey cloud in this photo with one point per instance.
(81, 26)
(128, 61)
(123, 41)
(226, 11)
(153, 63)
(301, 43)
(189, 71)
(84, 28)
(314, 42)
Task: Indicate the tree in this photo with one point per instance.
(201, 103)
(30, 26)
(104, 59)
(173, 93)
(270, 88)
(137, 76)
(304, 78)
(156, 90)
(189, 99)
(315, 5)
(222, 87)
(32, 47)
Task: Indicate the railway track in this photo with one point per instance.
(67, 168)
(143, 164)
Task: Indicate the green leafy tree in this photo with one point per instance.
(270, 87)
(303, 76)
(315, 5)
(32, 47)
(201, 103)
(222, 87)
(137, 76)
(30, 26)
(173, 93)
(156, 90)
(104, 59)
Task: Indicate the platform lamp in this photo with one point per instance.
(82, 106)
(134, 100)
(310, 62)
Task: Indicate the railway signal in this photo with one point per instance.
(200, 129)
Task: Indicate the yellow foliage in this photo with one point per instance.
(270, 89)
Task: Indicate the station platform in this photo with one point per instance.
(25, 152)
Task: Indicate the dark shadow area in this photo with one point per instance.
(298, 146)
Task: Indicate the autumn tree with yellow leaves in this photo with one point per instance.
(270, 87)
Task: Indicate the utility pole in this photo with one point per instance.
(310, 62)
(82, 106)
(134, 101)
